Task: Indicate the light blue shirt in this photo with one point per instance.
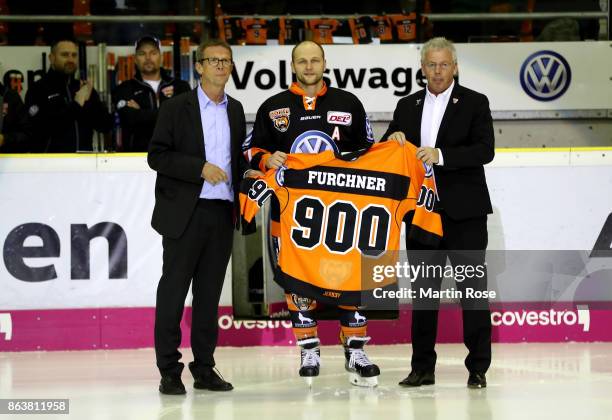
(217, 143)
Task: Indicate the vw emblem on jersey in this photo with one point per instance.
(313, 141)
(545, 75)
(280, 175)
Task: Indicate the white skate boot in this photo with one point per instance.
(310, 359)
(361, 371)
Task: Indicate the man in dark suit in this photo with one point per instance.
(453, 130)
(196, 152)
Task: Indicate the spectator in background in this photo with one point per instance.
(566, 29)
(13, 119)
(138, 100)
(63, 111)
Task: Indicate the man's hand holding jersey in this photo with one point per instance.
(252, 173)
(276, 160)
(428, 155)
(399, 137)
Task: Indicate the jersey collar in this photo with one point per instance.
(310, 103)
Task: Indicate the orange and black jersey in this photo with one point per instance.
(382, 28)
(292, 122)
(404, 27)
(341, 215)
(256, 31)
(230, 29)
(323, 29)
(360, 30)
(290, 31)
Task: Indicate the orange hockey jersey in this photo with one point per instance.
(341, 215)
(322, 30)
(256, 31)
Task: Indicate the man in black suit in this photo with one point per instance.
(453, 130)
(196, 152)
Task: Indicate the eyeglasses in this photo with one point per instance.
(442, 66)
(214, 61)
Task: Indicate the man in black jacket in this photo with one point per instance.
(196, 152)
(13, 122)
(453, 129)
(64, 111)
(138, 100)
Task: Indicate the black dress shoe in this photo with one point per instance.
(171, 385)
(477, 380)
(418, 378)
(209, 378)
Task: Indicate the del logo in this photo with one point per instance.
(545, 75)
(341, 118)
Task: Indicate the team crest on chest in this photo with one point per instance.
(280, 118)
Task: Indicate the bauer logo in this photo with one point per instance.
(340, 118)
(545, 75)
(6, 326)
(551, 317)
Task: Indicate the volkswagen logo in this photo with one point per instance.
(313, 141)
(545, 75)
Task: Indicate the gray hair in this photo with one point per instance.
(439, 43)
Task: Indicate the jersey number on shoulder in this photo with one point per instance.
(340, 226)
(427, 198)
(260, 192)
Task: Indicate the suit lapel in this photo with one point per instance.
(453, 104)
(234, 135)
(236, 138)
(193, 111)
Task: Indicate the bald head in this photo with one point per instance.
(308, 48)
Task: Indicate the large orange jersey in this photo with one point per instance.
(341, 215)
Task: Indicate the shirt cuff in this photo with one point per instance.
(441, 160)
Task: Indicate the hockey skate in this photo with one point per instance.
(310, 359)
(361, 371)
